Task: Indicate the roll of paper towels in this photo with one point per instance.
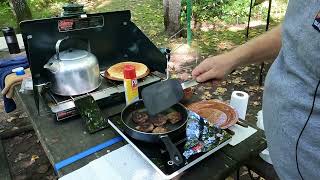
(239, 101)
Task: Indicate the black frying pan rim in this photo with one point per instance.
(141, 132)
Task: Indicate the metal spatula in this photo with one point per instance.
(162, 95)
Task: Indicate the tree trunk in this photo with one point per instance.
(21, 10)
(172, 10)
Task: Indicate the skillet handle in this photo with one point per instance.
(175, 155)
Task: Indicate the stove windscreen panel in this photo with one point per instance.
(113, 38)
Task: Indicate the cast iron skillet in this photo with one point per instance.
(173, 129)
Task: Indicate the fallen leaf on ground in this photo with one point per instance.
(43, 169)
(236, 72)
(23, 115)
(220, 91)
(11, 119)
(34, 157)
(20, 157)
(245, 69)
(256, 103)
(203, 97)
(237, 80)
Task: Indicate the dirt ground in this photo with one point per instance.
(25, 155)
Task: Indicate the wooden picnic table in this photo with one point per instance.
(61, 140)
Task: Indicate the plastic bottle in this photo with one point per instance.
(130, 84)
(19, 71)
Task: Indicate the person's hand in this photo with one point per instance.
(215, 68)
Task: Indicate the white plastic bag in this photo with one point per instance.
(265, 153)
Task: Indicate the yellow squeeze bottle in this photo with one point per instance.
(130, 84)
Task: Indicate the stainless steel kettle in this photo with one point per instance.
(73, 72)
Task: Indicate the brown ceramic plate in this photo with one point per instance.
(216, 112)
(115, 72)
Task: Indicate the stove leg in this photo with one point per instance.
(238, 174)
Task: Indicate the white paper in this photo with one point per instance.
(131, 165)
(241, 133)
(83, 173)
(265, 156)
(102, 169)
(239, 101)
(122, 164)
(265, 153)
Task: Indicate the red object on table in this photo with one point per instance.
(129, 72)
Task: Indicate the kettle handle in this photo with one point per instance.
(66, 38)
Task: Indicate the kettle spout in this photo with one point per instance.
(47, 66)
(52, 66)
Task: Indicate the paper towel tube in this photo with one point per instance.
(239, 101)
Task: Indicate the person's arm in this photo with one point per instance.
(262, 48)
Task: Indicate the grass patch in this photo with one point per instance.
(146, 14)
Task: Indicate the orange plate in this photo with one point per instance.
(216, 112)
(141, 70)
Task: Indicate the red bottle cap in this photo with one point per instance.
(129, 72)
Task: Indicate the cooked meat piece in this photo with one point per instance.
(160, 129)
(145, 127)
(174, 117)
(158, 120)
(139, 117)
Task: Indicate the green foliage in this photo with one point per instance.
(45, 8)
(7, 17)
(207, 9)
(39, 9)
(146, 14)
(230, 11)
(235, 11)
(203, 10)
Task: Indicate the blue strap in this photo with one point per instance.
(87, 152)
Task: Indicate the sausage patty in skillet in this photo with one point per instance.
(158, 120)
(140, 117)
(145, 127)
